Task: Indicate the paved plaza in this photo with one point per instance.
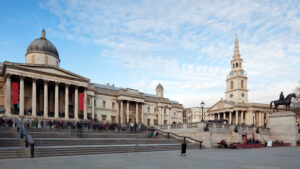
(265, 158)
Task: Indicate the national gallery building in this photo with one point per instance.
(40, 89)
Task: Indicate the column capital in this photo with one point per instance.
(34, 78)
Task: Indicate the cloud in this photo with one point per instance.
(188, 45)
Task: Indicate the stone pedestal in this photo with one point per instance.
(283, 127)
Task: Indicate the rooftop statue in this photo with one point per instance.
(283, 101)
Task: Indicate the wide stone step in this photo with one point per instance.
(103, 141)
(9, 134)
(12, 152)
(8, 129)
(68, 151)
(11, 142)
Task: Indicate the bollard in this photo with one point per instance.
(183, 149)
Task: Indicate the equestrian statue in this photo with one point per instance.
(283, 101)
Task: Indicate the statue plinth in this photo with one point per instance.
(283, 127)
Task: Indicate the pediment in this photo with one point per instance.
(221, 105)
(46, 70)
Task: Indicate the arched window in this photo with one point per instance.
(237, 65)
(242, 83)
(231, 84)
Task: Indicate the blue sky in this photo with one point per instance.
(185, 45)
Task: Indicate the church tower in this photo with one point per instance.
(236, 82)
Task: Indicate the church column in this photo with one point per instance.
(85, 104)
(33, 98)
(219, 116)
(137, 113)
(127, 112)
(66, 101)
(76, 103)
(45, 99)
(162, 116)
(230, 117)
(236, 117)
(56, 102)
(242, 117)
(121, 113)
(21, 96)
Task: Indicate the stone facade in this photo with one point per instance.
(46, 91)
(194, 114)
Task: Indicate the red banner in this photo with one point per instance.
(80, 101)
(15, 92)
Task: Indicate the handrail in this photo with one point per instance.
(184, 137)
(28, 139)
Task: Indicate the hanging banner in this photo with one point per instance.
(15, 92)
(80, 95)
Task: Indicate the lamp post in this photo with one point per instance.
(202, 106)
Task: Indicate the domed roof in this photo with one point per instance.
(159, 86)
(42, 45)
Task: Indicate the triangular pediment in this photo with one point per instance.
(47, 70)
(221, 105)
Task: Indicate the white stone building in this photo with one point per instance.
(41, 89)
(194, 114)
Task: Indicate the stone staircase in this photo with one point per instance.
(11, 144)
(66, 142)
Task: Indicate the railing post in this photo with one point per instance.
(32, 150)
(168, 135)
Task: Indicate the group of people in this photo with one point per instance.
(62, 124)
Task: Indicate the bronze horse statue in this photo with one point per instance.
(286, 102)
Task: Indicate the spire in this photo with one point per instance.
(43, 33)
(236, 53)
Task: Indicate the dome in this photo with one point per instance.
(159, 86)
(42, 45)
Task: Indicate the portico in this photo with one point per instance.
(41, 93)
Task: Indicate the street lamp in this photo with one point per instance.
(202, 106)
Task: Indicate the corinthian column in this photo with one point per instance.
(56, 101)
(8, 95)
(137, 112)
(127, 111)
(76, 103)
(21, 96)
(85, 104)
(45, 99)
(33, 97)
(66, 101)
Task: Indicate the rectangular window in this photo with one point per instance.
(95, 103)
(113, 105)
(148, 109)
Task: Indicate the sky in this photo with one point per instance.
(186, 45)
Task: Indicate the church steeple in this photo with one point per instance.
(236, 53)
(236, 82)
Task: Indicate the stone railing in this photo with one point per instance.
(192, 125)
(176, 126)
